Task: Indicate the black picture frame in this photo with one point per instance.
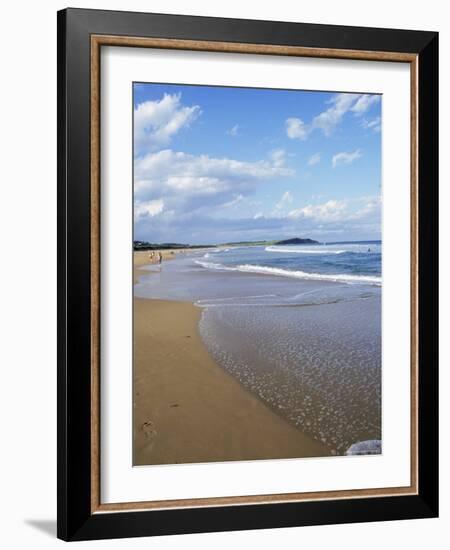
(76, 521)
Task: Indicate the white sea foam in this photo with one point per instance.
(319, 368)
(231, 298)
(239, 301)
(314, 276)
(369, 447)
(338, 277)
(213, 265)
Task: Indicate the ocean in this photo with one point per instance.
(299, 326)
(349, 262)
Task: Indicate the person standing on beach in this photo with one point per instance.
(159, 260)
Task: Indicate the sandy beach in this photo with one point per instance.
(186, 407)
(144, 257)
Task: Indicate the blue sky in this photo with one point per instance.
(217, 164)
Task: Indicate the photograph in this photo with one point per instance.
(257, 273)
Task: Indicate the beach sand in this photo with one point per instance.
(186, 408)
(143, 257)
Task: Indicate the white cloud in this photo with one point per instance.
(345, 158)
(296, 128)
(353, 218)
(156, 122)
(368, 206)
(187, 182)
(278, 157)
(233, 202)
(234, 131)
(364, 103)
(345, 210)
(329, 211)
(372, 124)
(327, 121)
(149, 208)
(314, 159)
(285, 200)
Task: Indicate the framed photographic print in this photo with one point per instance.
(247, 274)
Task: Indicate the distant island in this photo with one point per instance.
(297, 241)
(144, 245)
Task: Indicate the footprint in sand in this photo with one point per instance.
(148, 429)
(150, 434)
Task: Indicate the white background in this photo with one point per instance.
(119, 481)
(28, 279)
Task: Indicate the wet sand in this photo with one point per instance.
(188, 409)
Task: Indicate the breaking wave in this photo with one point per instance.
(338, 277)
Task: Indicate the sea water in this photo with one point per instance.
(299, 326)
(340, 262)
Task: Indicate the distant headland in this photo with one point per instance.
(296, 240)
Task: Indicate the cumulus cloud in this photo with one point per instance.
(296, 128)
(156, 122)
(345, 158)
(332, 210)
(189, 182)
(149, 208)
(345, 210)
(314, 159)
(356, 218)
(329, 119)
(368, 207)
(183, 197)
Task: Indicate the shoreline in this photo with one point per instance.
(337, 404)
(141, 258)
(187, 409)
